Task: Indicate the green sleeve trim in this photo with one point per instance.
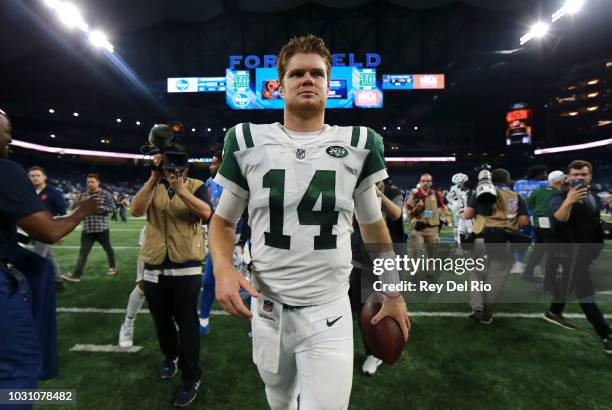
(229, 167)
(375, 161)
(355, 136)
(246, 132)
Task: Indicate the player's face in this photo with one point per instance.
(425, 182)
(5, 136)
(37, 177)
(93, 184)
(305, 85)
(580, 173)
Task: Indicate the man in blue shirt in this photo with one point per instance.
(20, 353)
(208, 279)
(54, 201)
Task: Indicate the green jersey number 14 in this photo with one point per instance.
(323, 184)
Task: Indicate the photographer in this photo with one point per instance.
(576, 220)
(499, 214)
(173, 251)
(425, 206)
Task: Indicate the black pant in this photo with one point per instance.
(576, 277)
(174, 299)
(546, 244)
(87, 241)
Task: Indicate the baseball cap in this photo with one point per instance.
(556, 176)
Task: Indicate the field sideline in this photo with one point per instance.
(449, 361)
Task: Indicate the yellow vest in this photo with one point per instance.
(431, 205)
(504, 215)
(172, 229)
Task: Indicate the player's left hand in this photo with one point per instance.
(175, 178)
(395, 307)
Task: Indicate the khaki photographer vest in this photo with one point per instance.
(431, 204)
(504, 215)
(172, 229)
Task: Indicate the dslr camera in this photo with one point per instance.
(165, 139)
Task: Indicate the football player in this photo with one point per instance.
(301, 180)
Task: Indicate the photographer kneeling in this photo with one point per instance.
(173, 251)
(499, 215)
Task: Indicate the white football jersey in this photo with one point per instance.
(300, 203)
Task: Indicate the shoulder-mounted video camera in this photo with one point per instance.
(165, 139)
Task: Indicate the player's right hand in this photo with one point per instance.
(227, 291)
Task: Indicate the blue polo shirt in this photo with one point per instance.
(17, 200)
(53, 200)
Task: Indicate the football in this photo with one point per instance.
(385, 338)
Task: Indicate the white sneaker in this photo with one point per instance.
(126, 334)
(518, 267)
(371, 364)
(111, 272)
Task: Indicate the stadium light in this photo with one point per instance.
(593, 108)
(224, 129)
(51, 111)
(52, 135)
(399, 128)
(70, 15)
(118, 120)
(384, 128)
(416, 128)
(193, 130)
(569, 7)
(208, 129)
(593, 95)
(53, 3)
(75, 114)
(594, 144)
(593, 82)
(538, 30)
(100, 40)
(419, 159)
(137, 122)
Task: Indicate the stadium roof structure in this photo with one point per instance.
(474, 42)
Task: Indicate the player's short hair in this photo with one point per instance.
(426, 175)
(537, 171)
(579, 164)
(309, 44)
(96, 176)
(37, 168)
(501, 176)
(3, 113)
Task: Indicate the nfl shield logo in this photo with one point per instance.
(268, 306)
(300, 153)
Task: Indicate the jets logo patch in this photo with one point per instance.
(337, 151)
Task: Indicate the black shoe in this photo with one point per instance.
(487, 317)
(558, 320)
(169, 369)
(476, 315)
(608, 345)
(187, 394)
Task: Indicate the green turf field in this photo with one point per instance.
(449, 362)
